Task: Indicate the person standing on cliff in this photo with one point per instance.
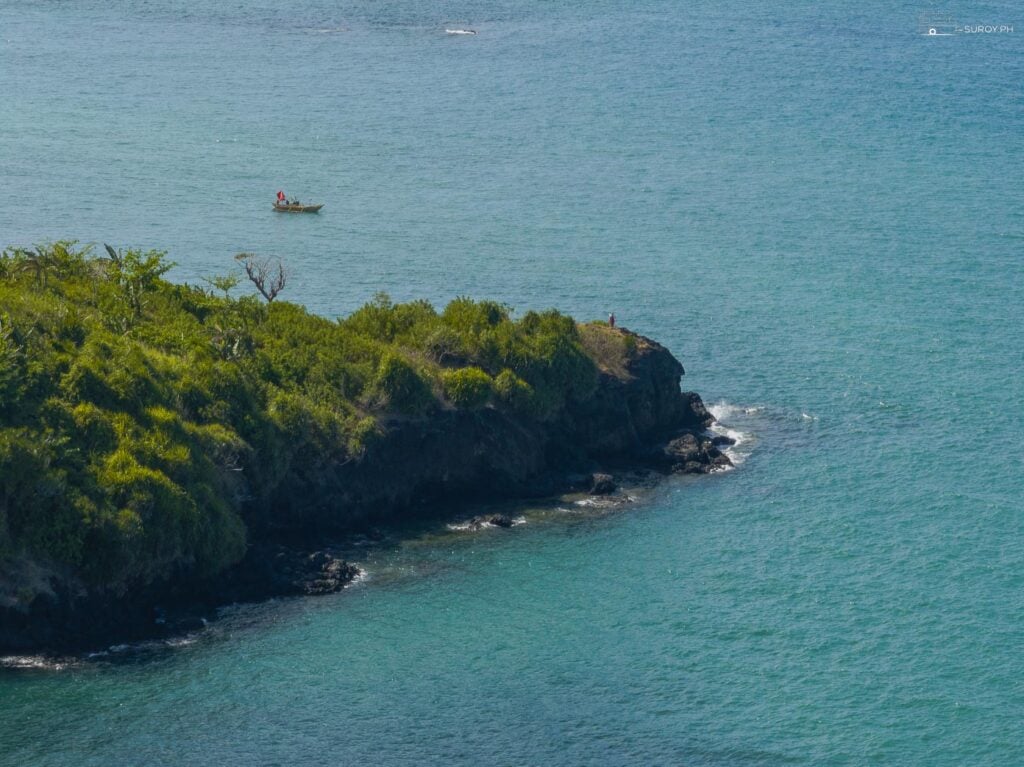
(611, 320)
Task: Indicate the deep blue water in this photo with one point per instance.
(818, 209)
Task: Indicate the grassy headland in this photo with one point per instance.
(146, 425)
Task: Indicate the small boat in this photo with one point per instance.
(460, 31)
(295, 207)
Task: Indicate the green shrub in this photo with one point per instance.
(362, 435)
(399, 387)
(473, 317)
(159, 525)
(514, 392)
(385, 321)
(11, 365)
(97, 433)
(443, 345)
(468, 388)
(38, 510)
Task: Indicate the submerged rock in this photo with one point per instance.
(333, 577)
(489, 520)
(281, 571)
(691, 453)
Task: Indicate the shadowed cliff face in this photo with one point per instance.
(637, 401)
(635, 407)
(634, 415)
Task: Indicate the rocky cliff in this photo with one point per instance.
(633, 416)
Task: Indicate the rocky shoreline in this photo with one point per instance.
(636, 418)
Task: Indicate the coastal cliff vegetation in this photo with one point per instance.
(146, 427)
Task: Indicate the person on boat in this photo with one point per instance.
(281, 199)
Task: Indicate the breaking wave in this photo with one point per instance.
(738, 417)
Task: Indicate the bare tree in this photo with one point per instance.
(267, 274)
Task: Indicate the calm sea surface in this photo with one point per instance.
(817, 208)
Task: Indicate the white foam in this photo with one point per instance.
(184, 641)
(738, 436)
(480, 524)
(604, 501)
(151, 645)
(600, 502)
(725, 410)
(460, 31)
(32, 662)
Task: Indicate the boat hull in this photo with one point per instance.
(297, 208)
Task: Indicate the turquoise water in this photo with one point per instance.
(819, 210)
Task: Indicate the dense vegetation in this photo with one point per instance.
(130, 406)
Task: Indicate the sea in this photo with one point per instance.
(817, 206)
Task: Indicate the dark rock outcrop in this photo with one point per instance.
(68, 618)
(281, 571)
(690, 453)
(490, 520)
(602, 484)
